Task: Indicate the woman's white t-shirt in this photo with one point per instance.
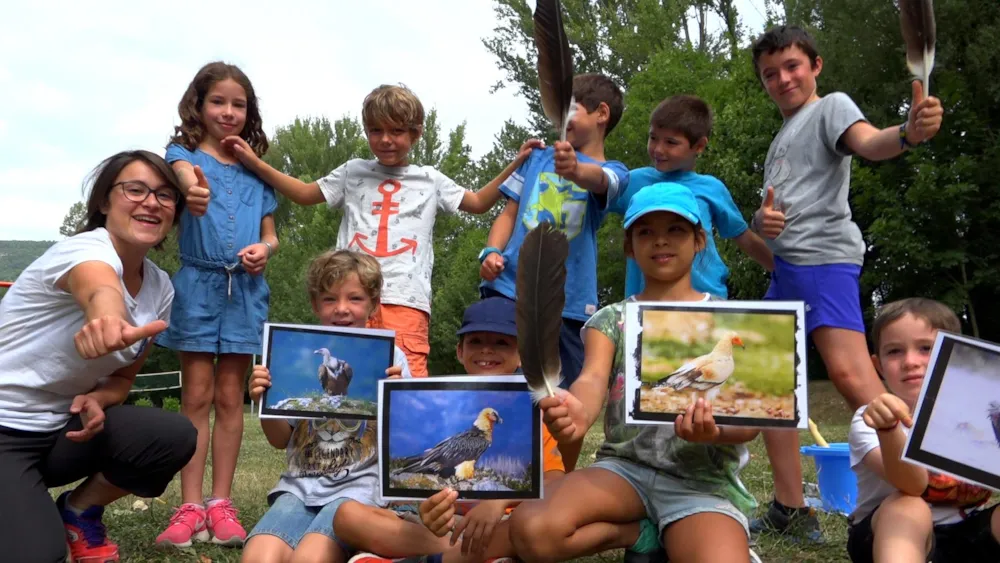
(40, 369)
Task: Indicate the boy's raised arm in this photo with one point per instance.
(292, 188)
(483, 200)
(589, 176)
(498, 238)
(756, 248)
(875, 144)
(884, 414)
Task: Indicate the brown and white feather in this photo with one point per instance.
(916, 18)
(555, 65)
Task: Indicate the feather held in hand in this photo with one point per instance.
(919, 33)
(541, 296)
(555, 65)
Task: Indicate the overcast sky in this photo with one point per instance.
(78, 84)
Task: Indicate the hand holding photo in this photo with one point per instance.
(956, 425)
(324, 372)
(746, 358)
(478, 435)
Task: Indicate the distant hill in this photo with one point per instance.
(15, 255)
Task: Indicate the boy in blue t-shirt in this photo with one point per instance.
(567, 185)
(678, 132)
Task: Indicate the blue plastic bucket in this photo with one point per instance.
(838, 486)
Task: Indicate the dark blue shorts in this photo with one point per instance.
(831, 292)
(570, 343)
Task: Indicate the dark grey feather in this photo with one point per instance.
(916, 18)
(555, 64)
(541, 296)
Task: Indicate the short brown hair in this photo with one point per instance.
(936, 314)
(589, 90)
(333, 266)
(397, 105)
(780, 38)
(191, 131)
(689, 115)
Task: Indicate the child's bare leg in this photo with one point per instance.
(902, 527)
(197, 391)
(848, 363)
(265, 548)
(617, 536)
(381, 531)
(228, 430)
(316, 548)
(583, 516)
(706, 537)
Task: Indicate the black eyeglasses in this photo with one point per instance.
(137, 192)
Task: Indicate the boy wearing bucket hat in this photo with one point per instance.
(905, 512)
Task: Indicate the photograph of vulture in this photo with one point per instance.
(456, 455)
(956, 422)
(325, 372)
(745, 358)
(480, 436)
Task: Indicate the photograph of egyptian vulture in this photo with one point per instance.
(956, 425)
(747, 358)
(324, 372)
(479, 435)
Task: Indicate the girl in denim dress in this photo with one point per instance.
(221, 298)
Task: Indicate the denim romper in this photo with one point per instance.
(218, 307)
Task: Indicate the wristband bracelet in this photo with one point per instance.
(270, 249)
(903, 143)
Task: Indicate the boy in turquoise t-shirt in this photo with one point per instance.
(678, 132)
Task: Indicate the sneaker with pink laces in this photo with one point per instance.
(223, 524)
(186, 525)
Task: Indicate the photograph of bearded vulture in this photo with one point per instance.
(324, 372)
(956, 425)
(479, 435)
(746, 358)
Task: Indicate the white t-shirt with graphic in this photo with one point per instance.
(389, 214)
(334, 458)
(40, 368)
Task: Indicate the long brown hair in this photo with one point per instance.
(103, 177)
(191, 131)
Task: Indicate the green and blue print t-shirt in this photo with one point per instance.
(545, 197)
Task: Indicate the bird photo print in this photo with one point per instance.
(479, 435)
(324, 372)
(956, 426)
(746, 358)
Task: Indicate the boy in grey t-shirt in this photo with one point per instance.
(806, 221)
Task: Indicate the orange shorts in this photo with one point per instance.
(412, 328)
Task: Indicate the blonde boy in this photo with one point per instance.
(389, 210)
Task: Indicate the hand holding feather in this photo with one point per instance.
(565, 160)
(925, 116)
(564, 417)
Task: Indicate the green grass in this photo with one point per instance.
(260, 464)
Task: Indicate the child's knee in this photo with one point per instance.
(535, 535)
(903, 510)
(348, 520)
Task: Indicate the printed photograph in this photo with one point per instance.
(479, 435)
(956, 426)
(324, 372)
(746, 357)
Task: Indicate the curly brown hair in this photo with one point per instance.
(191, 131)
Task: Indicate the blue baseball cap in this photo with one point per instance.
(664, 196)
(493, 314)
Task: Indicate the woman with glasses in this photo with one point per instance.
(75, 329)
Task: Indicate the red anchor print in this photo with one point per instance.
(384, 209)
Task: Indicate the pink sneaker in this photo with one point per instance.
(187, 524)
(223, 524)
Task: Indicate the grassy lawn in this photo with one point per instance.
(260, 465)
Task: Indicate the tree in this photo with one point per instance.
(74, 220)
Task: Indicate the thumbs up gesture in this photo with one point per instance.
(769, 221)
(198, 194)
(107, 334)
(925, 116)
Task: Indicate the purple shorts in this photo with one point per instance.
(831, 292)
